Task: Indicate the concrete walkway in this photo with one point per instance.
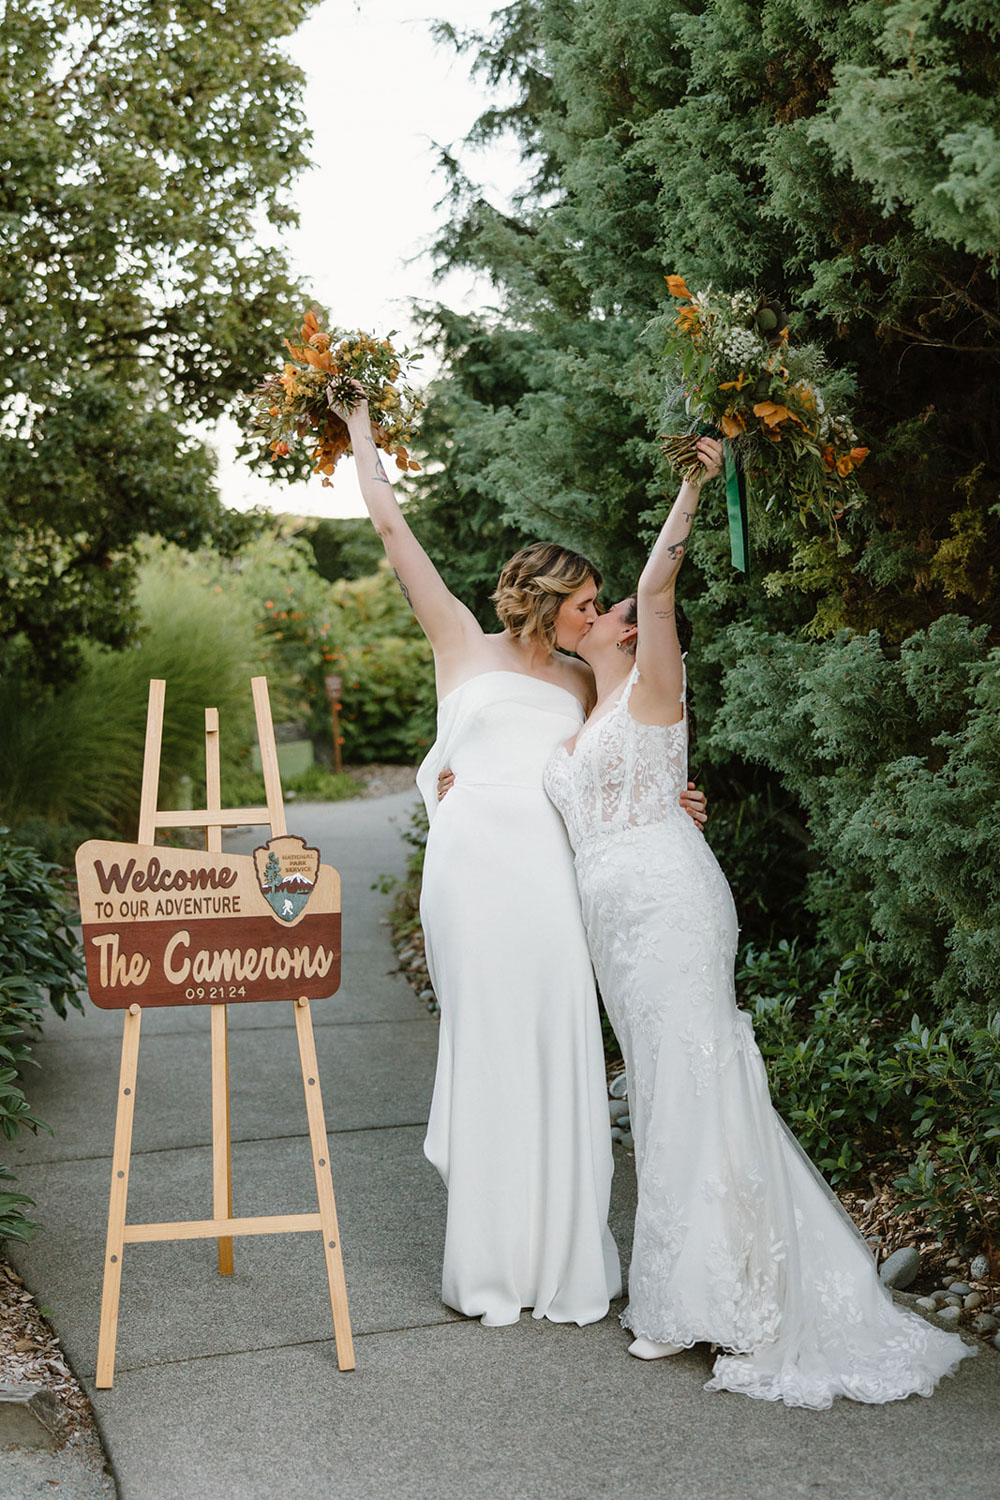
(228, 1388)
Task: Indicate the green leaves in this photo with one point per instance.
(149, 155)
(40, 965)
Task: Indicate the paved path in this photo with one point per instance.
(228, 1389)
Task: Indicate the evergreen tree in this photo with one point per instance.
(844, 158)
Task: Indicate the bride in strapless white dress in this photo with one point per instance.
(738, 1240)
(518, 1125)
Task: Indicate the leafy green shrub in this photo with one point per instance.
(360, 629)
(40, 965)
(861, 1079)
(74, 756)
(894, 754)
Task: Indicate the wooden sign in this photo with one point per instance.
(182, 927)
(334, 687)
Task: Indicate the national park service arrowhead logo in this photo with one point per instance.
(286, 873)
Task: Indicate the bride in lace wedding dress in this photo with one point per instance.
(738, 1240)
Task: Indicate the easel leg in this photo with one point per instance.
(222, 1161)
(324, 1187)
(118, 1199)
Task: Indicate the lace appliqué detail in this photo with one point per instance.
(737, 1240)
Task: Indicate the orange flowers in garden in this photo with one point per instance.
(323, 373)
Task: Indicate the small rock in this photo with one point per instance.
(427, 994)
(616, 1134)
(985, 1323)
(960, 1288)
(619, 1087)
(901, 1268)
(952, 1301)
(980, 1268)
(954, 1263)
(618, 1107)
(928, 1303)
(996, 1341)
(625, 1122)
(627, 1141)
(974, 1299)
(30, 1416)
(951, 1313)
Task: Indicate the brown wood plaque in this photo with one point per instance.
(182, 927)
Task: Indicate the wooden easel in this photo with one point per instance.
(222, 1226)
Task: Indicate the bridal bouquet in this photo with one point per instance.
(780, 406)
(297, 405)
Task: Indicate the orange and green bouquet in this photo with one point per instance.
(297, 406)
(783, 410)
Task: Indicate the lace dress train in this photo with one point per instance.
(738, 1240)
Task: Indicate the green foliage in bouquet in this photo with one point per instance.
(730, 364)
(324, 372)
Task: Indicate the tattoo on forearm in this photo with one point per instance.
(380, 473)
(676, 550)
(403, 589)
(688, 515)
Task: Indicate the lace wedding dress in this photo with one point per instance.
(738, 1240)
(518, 1125)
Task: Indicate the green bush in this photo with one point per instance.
(360, 629)
(74, 757)
(894, 754)
(40, 965)
(862, 1079)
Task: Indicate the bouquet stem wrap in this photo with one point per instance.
(736, 505)
(736, 502)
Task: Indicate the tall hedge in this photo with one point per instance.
(845, 158)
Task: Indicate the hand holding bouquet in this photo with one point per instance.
(782, 409)
(324, 372)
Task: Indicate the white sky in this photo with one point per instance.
(379, 95)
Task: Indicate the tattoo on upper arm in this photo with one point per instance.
(664, 614)
(403, 589)
(676, 550)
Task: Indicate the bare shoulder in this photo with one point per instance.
(578, 677)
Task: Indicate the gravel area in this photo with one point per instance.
(30, 1354)
(383, 780)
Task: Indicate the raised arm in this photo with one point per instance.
(448, 624)
(658, 656)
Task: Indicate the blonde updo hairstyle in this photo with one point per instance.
(533, 587)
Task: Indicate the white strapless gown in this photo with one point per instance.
(738, 1240)
(518, 1125)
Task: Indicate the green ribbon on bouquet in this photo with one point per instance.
(736, 504)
